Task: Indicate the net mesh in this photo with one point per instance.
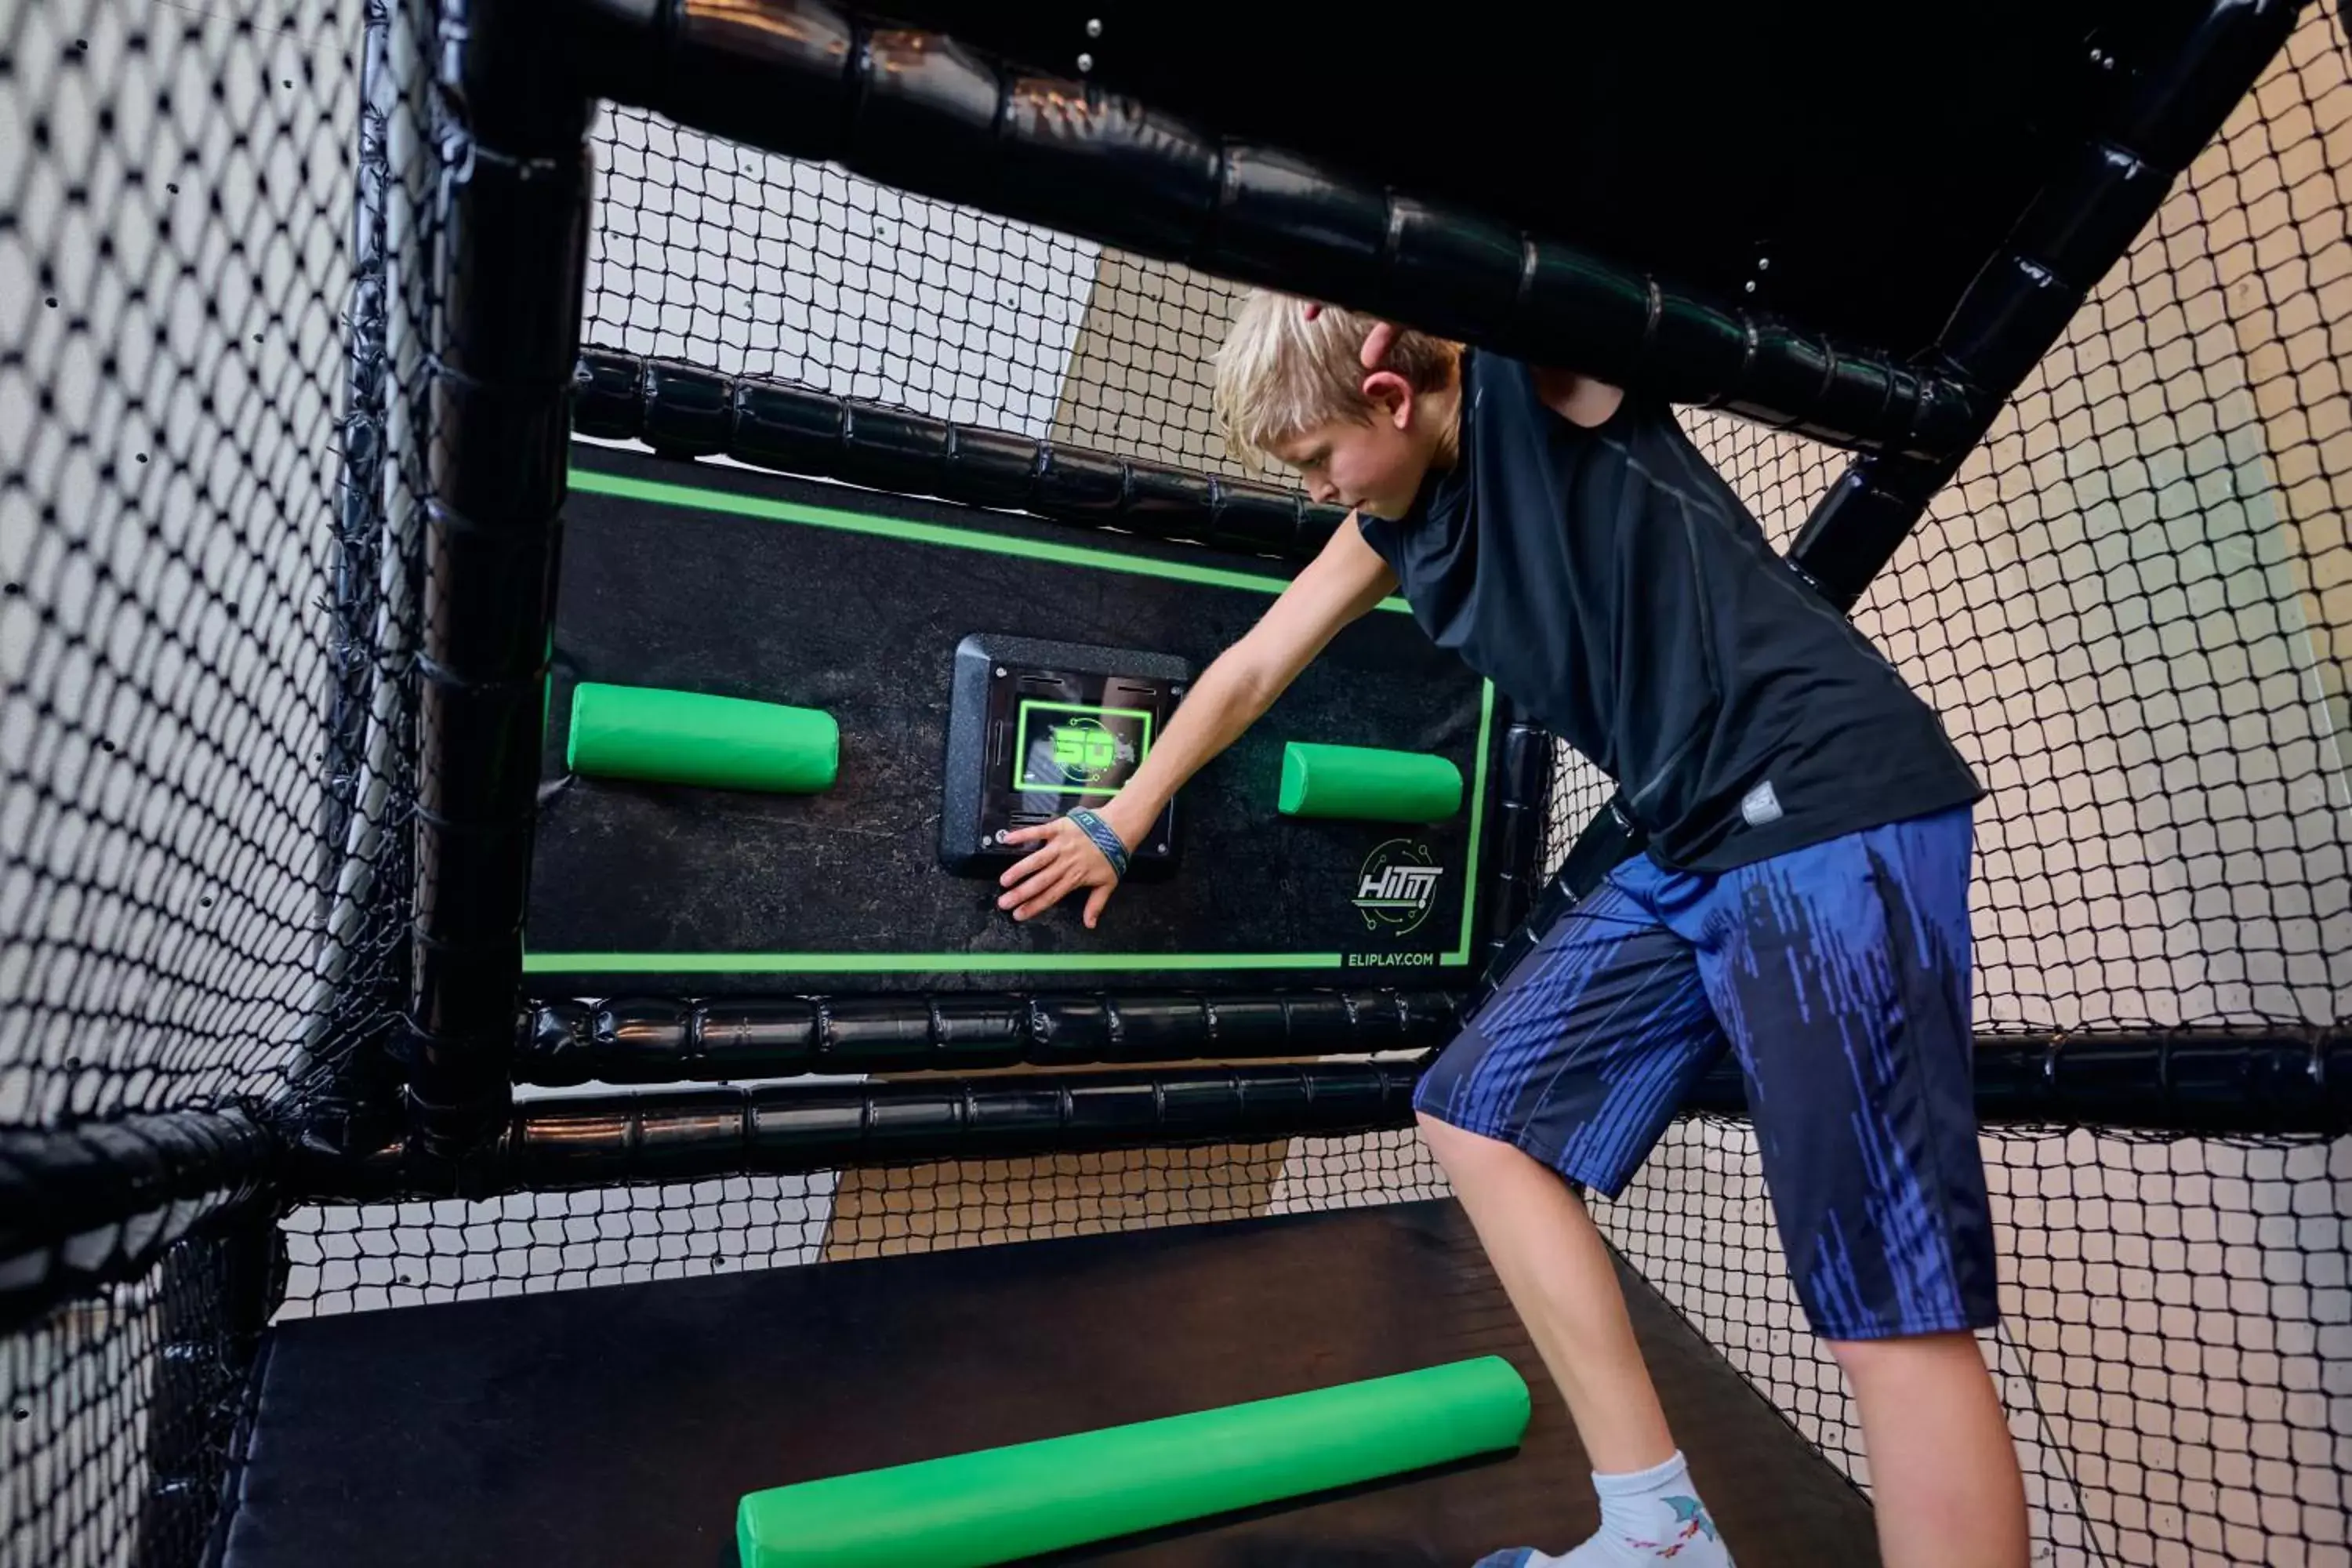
(2175, 1319)
(122, 1414)
(752, 265)
(176, 265)
(172, 279)
(2131, 609)
(356, 1258)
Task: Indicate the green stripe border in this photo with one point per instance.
(767, 508)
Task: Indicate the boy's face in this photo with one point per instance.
(1374, 463)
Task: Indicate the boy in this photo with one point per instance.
(1805, 899)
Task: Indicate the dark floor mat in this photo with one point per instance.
(617, 1426)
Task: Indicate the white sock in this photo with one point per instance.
(1648, 1517)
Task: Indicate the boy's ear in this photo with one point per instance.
(1391, 394)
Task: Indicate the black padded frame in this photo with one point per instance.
(921, 111)
(549, 1145)
(683, 411)
(82, 1206)
(802, 77)
(100, 1202)
(512, 256)
(658, 1040)
(82, 1209)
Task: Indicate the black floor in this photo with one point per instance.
(617, 1426)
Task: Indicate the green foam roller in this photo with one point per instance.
(1368, 784)
(685, 737)
(1000, 1504)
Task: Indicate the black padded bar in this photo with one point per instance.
(654, 1041)
(689, 1135)
(512, 254)
(213, 1300)
(2096, 201)
(359, 531)
(2293, 1083)
(2279, 1083)
(90, 1206)
(2170, 103)
(1606, 841)
(1522, 797)
(2083, 220)
(1856, 527)
(919, 111)
(683, 411)
(2283, 1081)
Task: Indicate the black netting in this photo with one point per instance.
(2176, 1316)
(174, 270)
(2133, 608)
(749, 264)
(122, 1412)
(177, 268)
(391, 1255)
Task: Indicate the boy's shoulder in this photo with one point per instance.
(1505, 395)
(1497, 389)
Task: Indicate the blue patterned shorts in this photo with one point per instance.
(1839, 974)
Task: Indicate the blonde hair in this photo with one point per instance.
(1280, 375)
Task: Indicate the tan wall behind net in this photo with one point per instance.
(1139, 379)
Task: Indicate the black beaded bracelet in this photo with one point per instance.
(1106, 840)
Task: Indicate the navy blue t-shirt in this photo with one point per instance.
(1612, 584)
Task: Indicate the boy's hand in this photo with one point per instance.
(1377, 342)
(1065, 861)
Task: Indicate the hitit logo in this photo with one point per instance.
(1398, 887)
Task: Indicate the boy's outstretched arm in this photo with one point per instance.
(1348, 578)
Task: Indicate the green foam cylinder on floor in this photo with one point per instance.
(686, 738)
(1367, 783)
(1000, 1504)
